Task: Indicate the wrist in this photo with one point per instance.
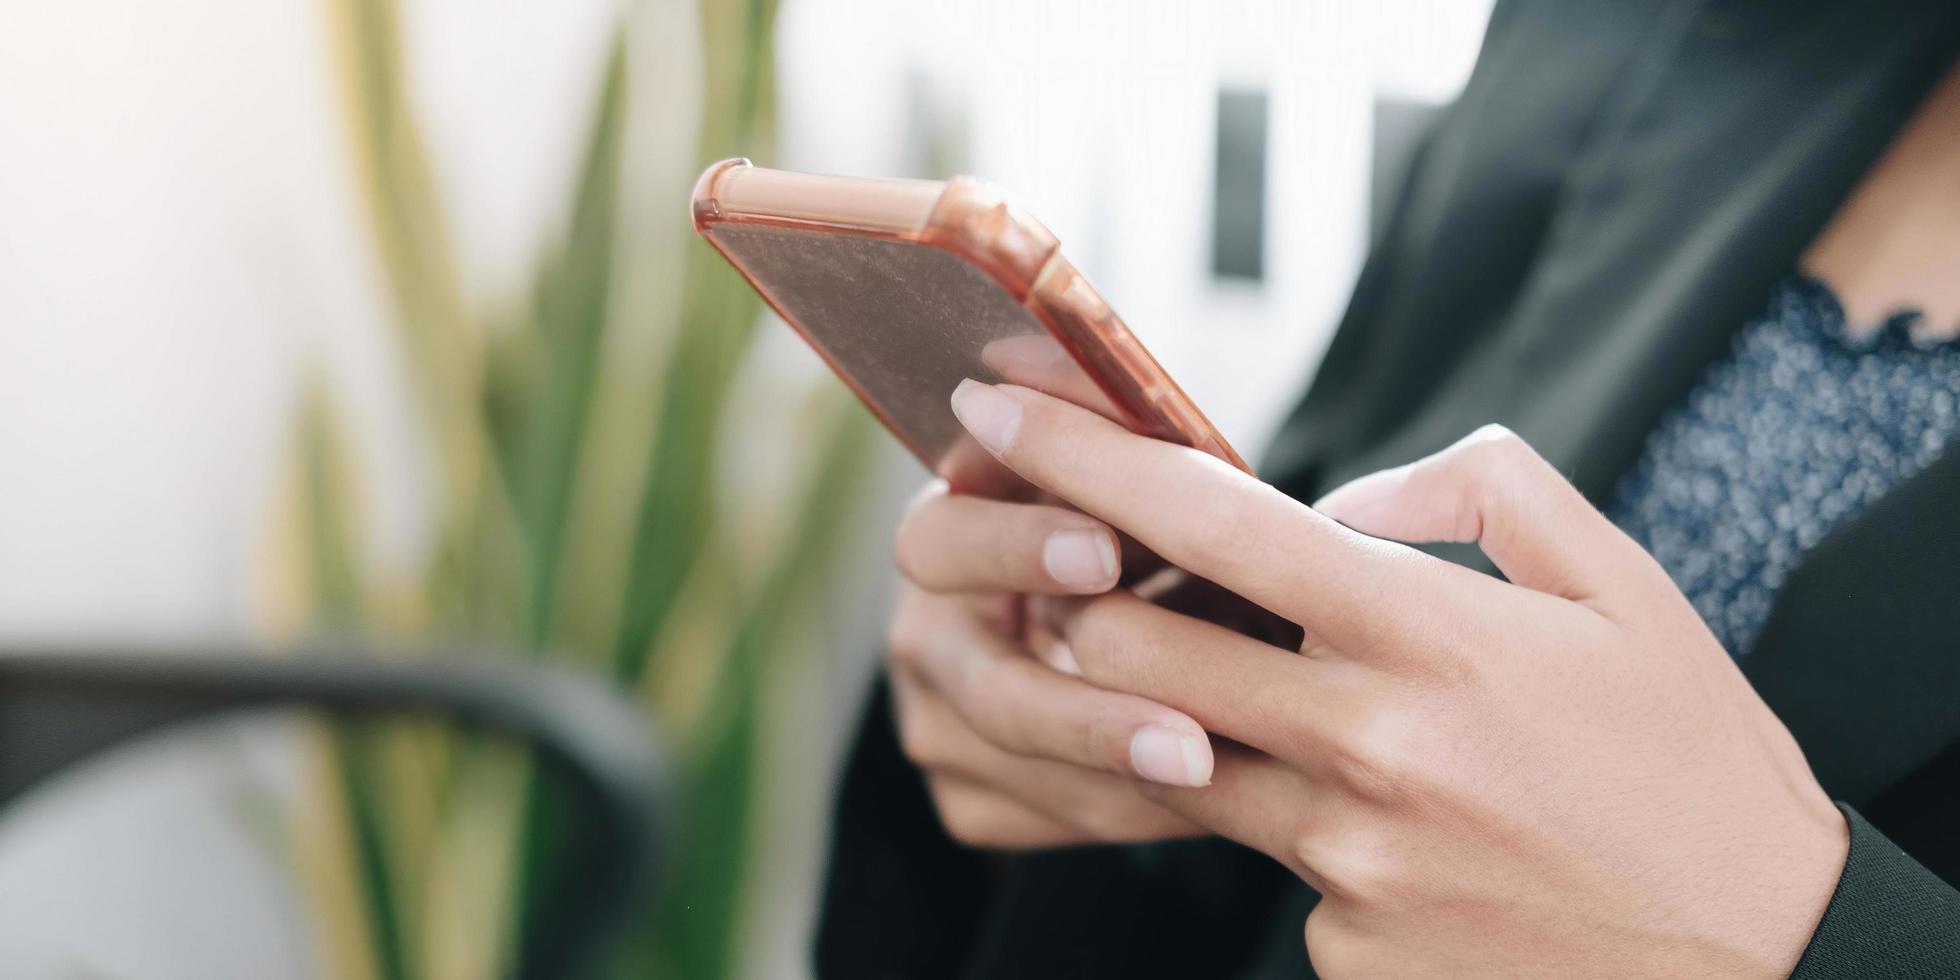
(1799, 874)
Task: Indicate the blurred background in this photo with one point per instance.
(383, 320)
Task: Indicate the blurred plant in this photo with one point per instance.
(577, 439)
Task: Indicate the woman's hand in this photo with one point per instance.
(975, 707)
(1559, 775)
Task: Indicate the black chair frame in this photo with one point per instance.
(60, 706)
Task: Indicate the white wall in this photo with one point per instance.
(179, 234)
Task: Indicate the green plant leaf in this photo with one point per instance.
(443, 350)
(570, 306)
(328, 541)
(719, 312)
(326, 526)
(698, 926)
(358, 771)
(518, 414)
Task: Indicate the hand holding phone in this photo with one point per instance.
(906, 288)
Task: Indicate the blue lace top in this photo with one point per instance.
(1794, 433)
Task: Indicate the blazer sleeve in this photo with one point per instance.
(901, 898)
(1890, 917)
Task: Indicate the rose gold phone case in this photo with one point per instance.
(905, 287)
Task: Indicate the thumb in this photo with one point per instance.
(1493, 489)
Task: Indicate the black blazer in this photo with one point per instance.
(1613, 196)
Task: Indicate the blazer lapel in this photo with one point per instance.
(1570, 257)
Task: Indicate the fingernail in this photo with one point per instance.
(1168, 756)
(1083, 560)
(991, 416)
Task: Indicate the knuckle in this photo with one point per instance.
(1496, 438)
(903, 632)
(1113, 822)
(1094, 622)
(1333, 950)
(1452, 651)
(914, 531)
(1377, 755)
(896, 645)
(1223, 525)
(1105, 742)
(1008, 558)
(919, 739)
(969, 822)
(1045, 432)
(1358, 875)
(918, 567)
(921, 534)
(1309, 853)
(1355, 866)
(1094, 630)
(907, 549)
(1083, 624)
(962, 822)
(988, 699)
(1481, 469)
(1492, 450)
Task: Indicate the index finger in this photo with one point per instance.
(1206, 517)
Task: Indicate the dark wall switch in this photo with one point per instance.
(1238, 196)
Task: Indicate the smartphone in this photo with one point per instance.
(905, 287)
